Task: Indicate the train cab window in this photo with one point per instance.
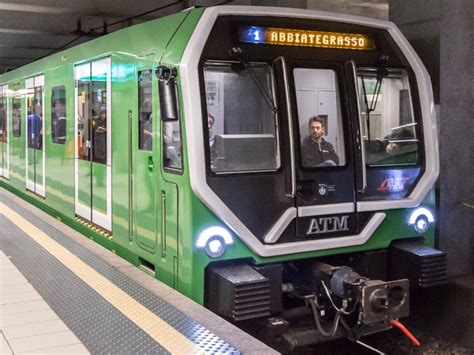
(242, 131)
(35, 117)
(145, 127)
(58, 114)
(16, 116)
(389, 127)
(319, 118)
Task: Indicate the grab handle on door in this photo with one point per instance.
(151, 165)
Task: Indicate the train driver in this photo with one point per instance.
(315, 150)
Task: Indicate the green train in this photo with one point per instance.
(275, 165)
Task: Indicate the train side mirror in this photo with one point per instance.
(167, 91)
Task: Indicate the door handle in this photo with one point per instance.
(150, 165)
(163, 224)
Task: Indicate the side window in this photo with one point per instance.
(83, 111)
(16, 116)
(389, 127)
(92, 117)
(98, 102)
(319, 118)
(58, 114)
(145, 127)
(3, 116)
(34, 96)
(172, 147)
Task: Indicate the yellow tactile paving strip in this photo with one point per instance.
(150, 323)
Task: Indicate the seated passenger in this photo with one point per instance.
(315, 150)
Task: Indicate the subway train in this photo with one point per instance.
(277, 166)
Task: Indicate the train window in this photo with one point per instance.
(98, 102)
(319, 118)
(83, 104)
(172, 147)
(58, 114)
(389, 127)
(145, 127)
(35, 117)
(3, 116)
(16, 115)
(242, 131)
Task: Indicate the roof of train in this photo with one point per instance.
(145, 39)
(152, 37)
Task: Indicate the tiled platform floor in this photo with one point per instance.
(27, 323)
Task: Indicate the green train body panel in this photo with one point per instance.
(155, 200)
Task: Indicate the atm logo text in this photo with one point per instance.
(328, 224)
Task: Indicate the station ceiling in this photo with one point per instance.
(31, 29)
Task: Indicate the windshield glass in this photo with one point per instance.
(242, 127)
(319, 118)
(390, 129)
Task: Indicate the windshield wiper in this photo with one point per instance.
(237, 52)
(381, 73)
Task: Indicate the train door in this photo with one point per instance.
(4, 132)
(35, 147)
(324, 169)
(144, 164)
(93, 163)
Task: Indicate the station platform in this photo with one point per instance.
(62, 293)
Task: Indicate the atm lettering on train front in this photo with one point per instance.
(328, 224)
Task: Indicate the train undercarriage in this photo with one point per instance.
(304, 302)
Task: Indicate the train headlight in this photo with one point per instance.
(214, 241)
(420, 219)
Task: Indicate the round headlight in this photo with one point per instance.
(421, 224)
(215, 246)
(214, 241)
(420, 219)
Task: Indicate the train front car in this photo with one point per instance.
(313, 154)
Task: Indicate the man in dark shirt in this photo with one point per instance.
(315, 150)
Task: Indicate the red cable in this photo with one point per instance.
(405, 331)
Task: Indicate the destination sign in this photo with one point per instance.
(305, 38)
